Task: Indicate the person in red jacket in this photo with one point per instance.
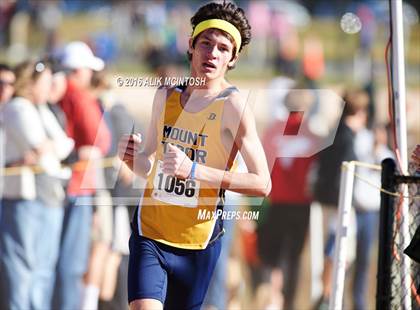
(92, 140)
(281, 236)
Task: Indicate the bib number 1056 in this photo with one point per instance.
(171, 190)
(172, 184)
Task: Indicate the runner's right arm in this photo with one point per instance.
(129, 147)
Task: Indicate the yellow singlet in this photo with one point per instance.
(171, 210)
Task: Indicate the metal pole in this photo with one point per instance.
(340, 252)
(398, 82)
(386, 223)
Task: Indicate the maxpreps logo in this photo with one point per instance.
(207, 215)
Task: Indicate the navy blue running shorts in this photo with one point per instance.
(178, 278)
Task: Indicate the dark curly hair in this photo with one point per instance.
(229, 12)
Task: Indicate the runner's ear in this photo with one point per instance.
(190, 46)
(232, 62)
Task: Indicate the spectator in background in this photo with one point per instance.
(327, 185)
(57, 92)
(289, 202)
(7, 78)
(92, 140)
(119, 180)
(370, 147)
(111, 231)
(101, 230)
(120, 122)
(32, 202)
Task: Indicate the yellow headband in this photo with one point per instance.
(222, 25)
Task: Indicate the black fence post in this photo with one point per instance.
(386, 222)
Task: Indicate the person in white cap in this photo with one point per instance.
(92, 139)
(77, 55)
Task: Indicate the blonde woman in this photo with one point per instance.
(32, 215)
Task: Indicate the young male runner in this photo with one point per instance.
(194, 136)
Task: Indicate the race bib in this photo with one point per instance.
(171, 190)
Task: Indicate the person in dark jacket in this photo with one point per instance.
(327, 185)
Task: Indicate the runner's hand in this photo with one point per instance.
(128, 147)
(176, 162)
